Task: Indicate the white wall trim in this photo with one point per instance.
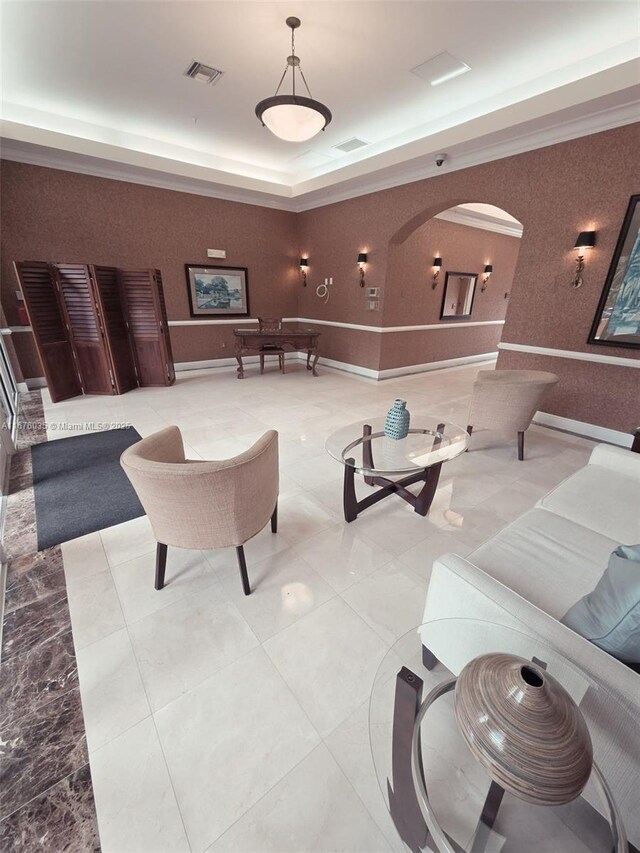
(600, 358)
(13, 329)
(357, 369)
(612, 436)
(475, 219)
(294, 198)
(194, 322)
(358, 327)
(390, 372)
(22, 387)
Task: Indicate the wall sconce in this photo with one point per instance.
(487, 274)
(437, 263)
(586, 240)
(362, 260)
(304, 263)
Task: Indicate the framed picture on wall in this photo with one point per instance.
(216, 291)
(617, 320)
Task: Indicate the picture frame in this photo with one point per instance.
(216, 291)
(458, 294)
(617, 319)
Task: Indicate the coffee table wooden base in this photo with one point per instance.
(420, 502)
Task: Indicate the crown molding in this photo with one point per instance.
(475, 219)
(493, 146)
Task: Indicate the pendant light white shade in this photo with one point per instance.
(291, 120)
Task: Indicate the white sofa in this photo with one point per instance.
(526, 578)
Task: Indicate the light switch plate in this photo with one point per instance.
(373, 292)
(216, 253)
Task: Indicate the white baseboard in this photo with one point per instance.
(436, 365)
(36, 382)
(181, 366)
(22, 387)
(611, 436)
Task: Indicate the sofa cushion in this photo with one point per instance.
(610, 615)
(602, 499)
(546, 559)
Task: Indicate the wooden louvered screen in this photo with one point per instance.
(50, 331)
(107, 287)
(85, 325)
(143, 301)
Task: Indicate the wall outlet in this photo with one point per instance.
(216, 253)
(330, 280)
(373, 305)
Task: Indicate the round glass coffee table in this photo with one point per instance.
(441, 798)
(363, 448)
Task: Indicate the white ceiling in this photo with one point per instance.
(104, 79)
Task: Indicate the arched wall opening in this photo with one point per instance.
(466, 236)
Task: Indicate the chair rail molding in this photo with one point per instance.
(340, 325)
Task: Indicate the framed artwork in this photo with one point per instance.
(216, 291)
(457, 296)
(617, 320)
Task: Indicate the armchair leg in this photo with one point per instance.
(242, 563)
(469, 430)
(161, 564)
(274, 519)
(521, 446)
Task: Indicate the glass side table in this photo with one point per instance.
(439, 796)
(363, 448)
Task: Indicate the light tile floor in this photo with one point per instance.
(221, 722)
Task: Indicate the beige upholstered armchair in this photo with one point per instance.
(193, 504)
(508, 400)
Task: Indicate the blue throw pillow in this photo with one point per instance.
(610, 615)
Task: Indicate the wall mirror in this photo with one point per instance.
(459, 290)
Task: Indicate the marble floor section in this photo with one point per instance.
(46, 796)
(219, 722)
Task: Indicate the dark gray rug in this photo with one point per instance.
(79, 486)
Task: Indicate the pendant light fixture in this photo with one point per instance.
(294, 118)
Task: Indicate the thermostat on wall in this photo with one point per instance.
(216, 253)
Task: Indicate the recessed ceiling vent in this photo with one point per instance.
(440, 68)
(350, 145)
(203, 73)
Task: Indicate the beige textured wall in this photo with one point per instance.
(555, 192)
(49, 214)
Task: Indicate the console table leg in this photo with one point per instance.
(309, 359)
(240, 367)
(349, 500)
(315, 361)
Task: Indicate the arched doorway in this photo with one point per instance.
(448, 282)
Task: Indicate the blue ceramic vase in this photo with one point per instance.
(397, 422)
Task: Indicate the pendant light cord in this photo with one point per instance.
(293, 69)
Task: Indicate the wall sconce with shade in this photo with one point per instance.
(586, 240)
(437, 265)
(488, 269)
(304, 263)
(362, 260)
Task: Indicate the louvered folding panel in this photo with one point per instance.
(85, 326)
(106, 284)
(42, 298)
(141, 298)
(171, 372)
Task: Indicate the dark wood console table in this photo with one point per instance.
(255, 341)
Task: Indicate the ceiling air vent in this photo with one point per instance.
(350, 145)
(203, 73)
(440, 68)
